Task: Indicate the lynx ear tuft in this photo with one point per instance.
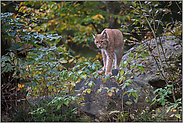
(93, 34)
(104, 34)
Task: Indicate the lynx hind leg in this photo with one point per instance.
(118, 58)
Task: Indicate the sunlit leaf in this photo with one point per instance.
(88, 91)
(177, 116)
(109, 93)
(128, 102)
(112, 112)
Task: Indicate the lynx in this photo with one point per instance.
(111, 43)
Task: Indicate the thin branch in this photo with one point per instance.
(178, 6)
(160, 60)
(95, 27)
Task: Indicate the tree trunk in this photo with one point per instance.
(110, 9)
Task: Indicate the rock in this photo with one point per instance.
(171, 46)
(99, 105)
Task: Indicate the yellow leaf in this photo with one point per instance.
(71, 60)
(19, 85)
(64, 61)
(77, 56)
(24, 10)
(157, 73)
(88, 91)
(119, 22)
(96, 16)
(43, 14)
(101, 16)
(14, 16)
(104, 80)
(172, 115)
(64, 49)
(177, 116)
(84, 92)
(51, 21)
(3, 4)
(102, 6)
(174, 110)
(21, 3)
(99, 90)
(110, 94)
(128, 17)
(125, 2)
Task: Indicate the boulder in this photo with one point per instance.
(99, 105)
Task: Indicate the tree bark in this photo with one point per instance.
(110, 5)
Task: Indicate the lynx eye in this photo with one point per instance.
(97, 42)
(102, 41)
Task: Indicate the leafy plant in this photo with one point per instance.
(51, 67)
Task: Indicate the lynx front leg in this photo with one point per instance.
(104, 60)
(110, 57)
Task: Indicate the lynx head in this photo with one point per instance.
(101, 40)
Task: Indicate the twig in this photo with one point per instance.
(95, 27)
(178, 6)
(160, 60)
(122, 108)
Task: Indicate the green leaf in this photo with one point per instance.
(129, 94)
(135, 95)
(99, 90)
(146, 99)
(177, 116)
(113, 88)
(124, 86)
(128, 102)
(131, 90)
(106, 88)
(112, 112)
(168, 109)
(21, 48)
(109, 93)
(91, 83)
(66, 102)
(169, 86)
(125, 63)
(129, 81)
(12, 55)
(58, 107)
(141, 68)
(155, 5)
(83, 76)
(163, 103)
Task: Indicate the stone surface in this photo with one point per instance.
(99, 105)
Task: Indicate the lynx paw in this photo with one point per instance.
(103, 69)
(108, 73)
